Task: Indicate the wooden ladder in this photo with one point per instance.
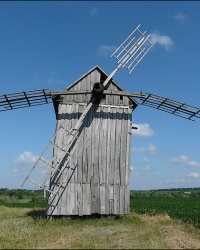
(59, 168)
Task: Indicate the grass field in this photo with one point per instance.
(28, 228)
(156, 221)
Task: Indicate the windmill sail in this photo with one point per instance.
(24, 99)
(133, 49)
(171, 106)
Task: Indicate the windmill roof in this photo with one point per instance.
(102, 71)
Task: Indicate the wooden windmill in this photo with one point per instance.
(86, 165)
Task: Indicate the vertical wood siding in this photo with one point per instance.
(96, 178)
(100, 182)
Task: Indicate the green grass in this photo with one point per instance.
(24, 200)
(26, 205)
(185, 209)
(25, 228)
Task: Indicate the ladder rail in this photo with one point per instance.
(50, 170)
(34, 166)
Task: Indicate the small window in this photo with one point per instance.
(121, 97)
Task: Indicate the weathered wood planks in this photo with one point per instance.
(99, 179)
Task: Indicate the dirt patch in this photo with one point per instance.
(178, 239)
(147, 217)
(174, 233)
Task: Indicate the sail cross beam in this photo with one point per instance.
(168, 105)
(24, 99)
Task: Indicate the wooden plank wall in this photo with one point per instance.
(100, 182)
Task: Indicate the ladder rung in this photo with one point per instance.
(36, 183)
(39, 185)
(67, 152)
(45, 161)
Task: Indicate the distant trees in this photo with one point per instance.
(170, 193)
(13, 195)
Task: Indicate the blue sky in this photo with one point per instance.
(51, 44)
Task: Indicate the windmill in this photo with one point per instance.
(86, 165)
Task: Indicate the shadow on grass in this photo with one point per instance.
(39, 213)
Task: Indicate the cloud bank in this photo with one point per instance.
(163, 40)
(184, 160)
(106, 50)
(180, 17)
(150, 149)
(143, 130)
(26, 159)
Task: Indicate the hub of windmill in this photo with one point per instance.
(97, 91)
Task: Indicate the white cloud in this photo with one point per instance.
(162, 40)
(147, 168)
(194, 175)
(180, 159)
(26, 159)
(180, 17)
(143, 130)
(150, 149)
(93, 11)
(146, 159)
(183, 159)
(193, 164)
(105, 50)
(188, 178)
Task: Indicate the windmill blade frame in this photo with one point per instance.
(170, 106)
(24, 99)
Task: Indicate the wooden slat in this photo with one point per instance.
(108, 151)
(121, 195)
(96, 131)
(128, 148)
(89, 145)
(95, 197)
(103, 198)
(79, 149)
(104, 145)
(86, 199)
(79, 199)
(76, 109)
(118, 145)
(111, 199)
(113, 138)
(116, 199)
(68, 204)
(88, 87)
(126, 199)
